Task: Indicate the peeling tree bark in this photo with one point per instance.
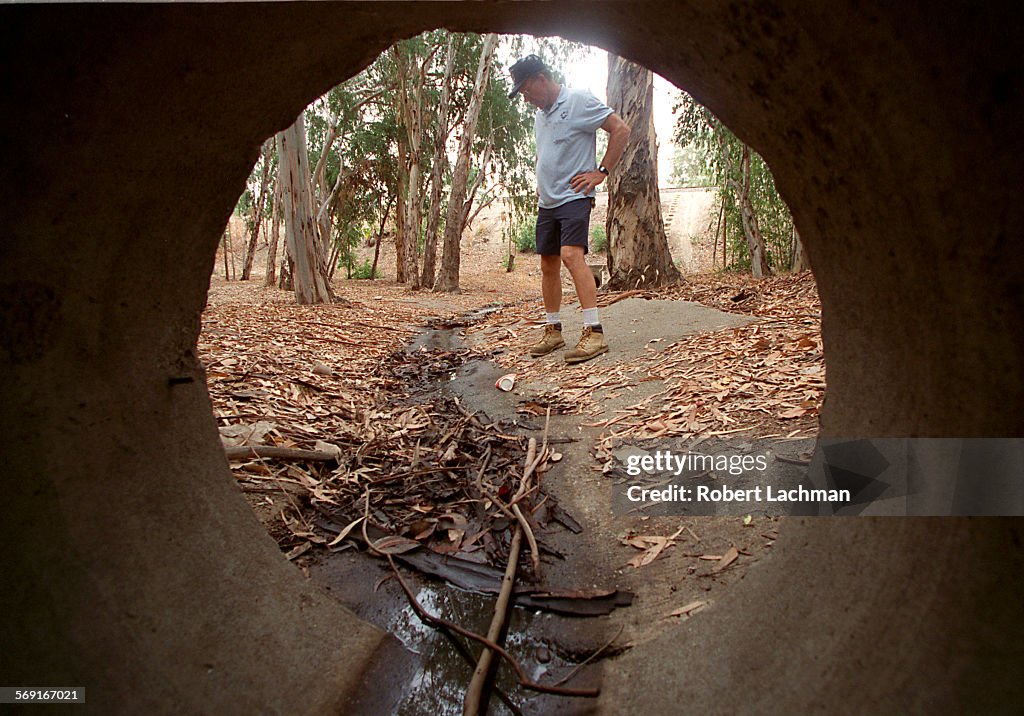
(638, 253)
(304, 247)
(800, 260)
(410, 100)
(448, 277)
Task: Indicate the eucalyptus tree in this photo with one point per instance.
(379, 148)
(270, 276)
(758, 222)
(638, 251)
(448, 277)
(267, 158)
(305, 249)
(439, 164)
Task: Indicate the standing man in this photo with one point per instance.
(566, 127)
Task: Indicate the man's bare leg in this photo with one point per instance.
(582, 276)
(551, 282)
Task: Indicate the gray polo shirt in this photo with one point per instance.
(567, 144)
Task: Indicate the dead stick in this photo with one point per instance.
(523, 679)
(525, 527)
(524, 487)
(474, 692)
(261, 451)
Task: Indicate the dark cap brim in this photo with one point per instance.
(515, 89)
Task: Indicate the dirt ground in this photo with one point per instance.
(676, 566)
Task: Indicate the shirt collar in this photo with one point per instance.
(563, 94)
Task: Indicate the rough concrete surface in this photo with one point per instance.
(130, 567)
(635, 325)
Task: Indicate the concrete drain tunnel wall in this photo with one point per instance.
(133, 566)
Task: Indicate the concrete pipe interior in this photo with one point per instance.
(132, 564)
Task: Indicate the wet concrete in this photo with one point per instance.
(435, 680)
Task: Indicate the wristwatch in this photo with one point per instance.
(603, 169)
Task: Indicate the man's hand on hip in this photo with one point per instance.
(586, 182)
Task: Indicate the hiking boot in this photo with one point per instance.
(551, 341)
(591, 345)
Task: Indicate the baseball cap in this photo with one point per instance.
(523, 70)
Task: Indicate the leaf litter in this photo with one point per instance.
(340, 437)
(335, 382)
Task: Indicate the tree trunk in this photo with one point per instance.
(400, 263)
(800, 260)
(380, 238)
(437, 171)
(275, 235)
(638, 252)
(304, 247)
(510, 262)
(477, 182)
(257, 212)
(225, 238)
(751, 229)
(718, 229)
(448, 277)
(411, 79)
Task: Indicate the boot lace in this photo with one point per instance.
(585, 338)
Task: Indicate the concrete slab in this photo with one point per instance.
(636, 325)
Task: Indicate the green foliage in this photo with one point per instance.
(245, 201)
(707, 151)
(598, 238)
(524, 235)
(363, 270)
(688, 168)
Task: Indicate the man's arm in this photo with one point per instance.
(618, 135)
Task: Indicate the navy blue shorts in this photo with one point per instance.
(565, 225)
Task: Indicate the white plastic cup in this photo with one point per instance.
(506, 382)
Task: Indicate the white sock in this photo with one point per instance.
(590, 317)
(555, 317)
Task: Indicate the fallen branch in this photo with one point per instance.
(474, 692)
(280, 453)
(524, 485)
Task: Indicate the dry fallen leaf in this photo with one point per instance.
(689, 608)
(727, 559)
(394, 544)
(344, 532)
